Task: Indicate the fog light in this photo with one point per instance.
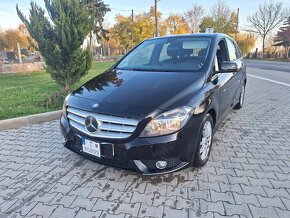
(161, 165)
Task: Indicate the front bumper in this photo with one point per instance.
(139, 154)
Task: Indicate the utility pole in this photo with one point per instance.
(237, 23)
(132, 29)
(156, 19)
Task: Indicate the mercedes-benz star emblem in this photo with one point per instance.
(91, 124)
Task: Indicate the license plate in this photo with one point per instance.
(91, 147)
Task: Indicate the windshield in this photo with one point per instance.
(168, 54)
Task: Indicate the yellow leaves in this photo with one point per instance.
(11, 37)
(176, 24)
(246, 42)
(144, 27)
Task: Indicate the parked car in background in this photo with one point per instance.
(156, 110)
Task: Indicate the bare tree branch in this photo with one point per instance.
(194, 17)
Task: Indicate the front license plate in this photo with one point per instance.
(91, 147)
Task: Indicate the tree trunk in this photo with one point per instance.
(263, 50)
(66, 88)
(91, 38)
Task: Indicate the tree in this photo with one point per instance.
(246, 42)
(3, 41)
(221, 19)
(98, 9)
(10, 38)
(144, 28)
(283, 37)
(268, 16)
(220, 10)
(122, 31)
(176, 24)
(60, 38)
(194, 17)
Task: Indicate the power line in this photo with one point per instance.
(127, 10)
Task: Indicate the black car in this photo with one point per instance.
(156, 110)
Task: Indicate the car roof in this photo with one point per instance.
(207, 35)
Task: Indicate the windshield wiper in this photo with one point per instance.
(155, 70)
(133, 69)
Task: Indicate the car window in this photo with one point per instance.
(163, 55)
(143, 57)
(168, 54)
(238, 51)
(231, 50)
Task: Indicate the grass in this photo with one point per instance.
(20, 92)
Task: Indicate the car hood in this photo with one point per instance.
(139, 92)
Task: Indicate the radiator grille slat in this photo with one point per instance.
(109, 126)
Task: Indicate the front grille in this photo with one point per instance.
(112, 127)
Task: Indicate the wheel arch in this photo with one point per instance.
(212, 112)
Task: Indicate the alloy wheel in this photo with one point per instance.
(205, 140)
(242, 95)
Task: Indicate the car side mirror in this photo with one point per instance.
(229, 66)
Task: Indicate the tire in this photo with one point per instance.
(240, 104)
(203, 148)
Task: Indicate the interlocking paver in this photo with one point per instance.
(83, 203)
(64, 212)
(169, 212)
(42, 210)
(82, 213)
(246, 199)
(150, 211)
(271, 202)
(247, 175)
(65, 200)
(234, 209)
(263, 212)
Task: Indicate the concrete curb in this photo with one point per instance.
(29, 120)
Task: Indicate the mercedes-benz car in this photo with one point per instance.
(155, 111)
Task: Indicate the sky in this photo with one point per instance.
(9, 19)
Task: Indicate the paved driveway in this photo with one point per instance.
(248, 174)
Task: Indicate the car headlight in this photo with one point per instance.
(64, 106)
(168, 122)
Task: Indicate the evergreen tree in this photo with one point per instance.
(60, 38)
(98, 10)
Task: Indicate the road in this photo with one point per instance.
(277, 71)
(248, 174)
(269, 65)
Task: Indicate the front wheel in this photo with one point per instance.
(203, 149)
(240, 104)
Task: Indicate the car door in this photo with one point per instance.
(236, 79)
(223, 80)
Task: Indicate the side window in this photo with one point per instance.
(238, 51)
(163, 55)
(231, 50)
